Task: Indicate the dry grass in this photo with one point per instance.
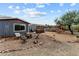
(49, 43)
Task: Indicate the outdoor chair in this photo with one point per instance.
(23, 37)
(17, 34)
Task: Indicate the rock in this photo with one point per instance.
(54, 35)
(0, 51)
(69, 41)
(35, 42)
(57, 41)
(2, 40)
(40, 43)
(76, 41)
(28, 48)
(77, 36)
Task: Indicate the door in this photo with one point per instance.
(1, 28)
(6, 29)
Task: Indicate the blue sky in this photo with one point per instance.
(37, 13)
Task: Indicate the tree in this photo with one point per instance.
(69, 18)
(58, 22)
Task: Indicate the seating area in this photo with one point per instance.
(24, 36)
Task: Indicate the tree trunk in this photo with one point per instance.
(69, 26)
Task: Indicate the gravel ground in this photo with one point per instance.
(49, 44)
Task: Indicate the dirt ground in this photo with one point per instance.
(48, 44)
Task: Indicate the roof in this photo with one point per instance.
(4, 18)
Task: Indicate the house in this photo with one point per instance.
(10, 25)
(32, 27)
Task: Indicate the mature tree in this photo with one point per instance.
(69, 18)
(58, 22)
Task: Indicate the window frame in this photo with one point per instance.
(19, 30)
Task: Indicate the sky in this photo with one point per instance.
(37, 13)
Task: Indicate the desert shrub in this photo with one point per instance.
(65, 28)
(76, 27)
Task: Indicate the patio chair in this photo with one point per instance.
(23, 37)
(17, 34)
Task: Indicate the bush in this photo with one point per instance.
(65, 28)
(76, 27)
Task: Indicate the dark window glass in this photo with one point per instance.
(19, 27)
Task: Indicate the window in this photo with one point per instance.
(19, 27)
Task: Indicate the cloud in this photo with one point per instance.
(70, 9)
(66, 10)
(40, 5)
(14, 7)
(10, 7)
(48, 4)
(58, 11)
(27, 10)
(36, 14)
(30, 9)
(32, 12)
(73, 4)
(17, 7)
(52, 11)
(24, 7)
(61, 4)
(25, 3)
(17, 11)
